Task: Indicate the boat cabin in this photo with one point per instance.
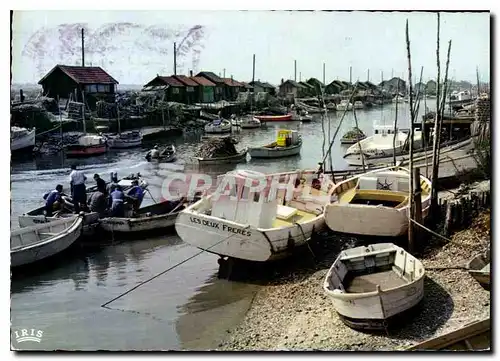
(286, 138)
(383, 130)
(266, 201)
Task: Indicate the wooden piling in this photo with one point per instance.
(417, 203)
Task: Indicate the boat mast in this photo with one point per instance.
(83, 113)
(118, 120)
(60, 119)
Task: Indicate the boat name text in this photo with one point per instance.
(224, 227)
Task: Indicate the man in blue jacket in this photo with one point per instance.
(53, 200)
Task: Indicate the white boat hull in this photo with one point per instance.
(23, 142)
(27, 247)
(142, 224)
(231, 239)
(250, 124)
(278, 152)
(224, 127)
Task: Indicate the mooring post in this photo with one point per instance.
(417, 199)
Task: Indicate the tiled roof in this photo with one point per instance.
(294, 83)
(210, 76)
(232, 82)
(246, 85)
(202, 81)
(185, 80)
(84, 74)
(262, 84)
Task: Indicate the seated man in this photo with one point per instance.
(53, 200)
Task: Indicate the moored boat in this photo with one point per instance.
(353, 136)
(344, 104)
(241, 156)
(250, 123)
(35, 243)
(218, 126)
(274, 118)
(288, 143)
(22, 139)
(87, 145)
(166, 155)
(252, 222)
(479, 268)
(374, 203)
(358, 104)
(127, 139)
(370, 286)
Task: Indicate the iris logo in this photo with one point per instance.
(32, 335)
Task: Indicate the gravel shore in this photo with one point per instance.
(293, 313)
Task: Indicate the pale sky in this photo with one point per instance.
(134, 46)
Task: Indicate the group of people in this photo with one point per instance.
(107, 200)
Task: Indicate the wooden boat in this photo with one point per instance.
(167, 155)
(475, 336)
(150, 218)
(218, 126)
(380, 144)
(22, 139)
(353, 136)
(236, 158)
(479, 268)
(375, 203)
(256, 223)
(250, 123)
(31, 244)
(344, 104)
(358, 104)
(370, 286)
(87, 145)
(124, 140)
(274, 118)
(288, 143)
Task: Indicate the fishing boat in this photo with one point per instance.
(252, 222)
(474, 336)
(358, 104)
(218, 126)
(250, 123)
(274, 118)
(302, 116)
(398, 99)
(370, 286)
(479, 268)
(31, 244)
(156, 217)
(344, 104)
(86, 146)
(380, 144)
(353, 136)
(167, 155)
(288, 143)
(375, 203)
(22, 139)
(128, 139)
(229, 159)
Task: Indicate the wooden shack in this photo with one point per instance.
(217, 82)
(206, 89)
(174, 90)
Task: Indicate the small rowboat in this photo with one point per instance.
(219, 126)
(167, 155)
(274, 151)
(124, 140)
(31, 244)
(236, 158)
(87, 146)
(371, 286)
(479, 268)
(274, 118)
(150, 218)
(250, 123)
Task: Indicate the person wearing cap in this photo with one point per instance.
(78, 190)
(136, 193)
(53, 200)
(101, 184)
(117, 198)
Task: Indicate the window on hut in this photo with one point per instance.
(175, 90)
(190, 89)
(101, 88)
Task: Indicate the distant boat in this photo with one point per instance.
(370, 286)
(288, 143)
(31, 244)
(250, 123)
(167, 155)
(274, 118)
(22, 139)
(358, 104)
(87, 145)
(353, 136)
(127, 139)
(229, 159)
(218, 126)
(344, 104)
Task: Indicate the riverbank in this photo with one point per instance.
(295, 314)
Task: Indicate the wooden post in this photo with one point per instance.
(324, 78)
(395, 129)
(175, 59)
(448, 218)
(295, 70)
(83, 114)
(350, 75)
(83, 47)
(417, 198)
(253, 69)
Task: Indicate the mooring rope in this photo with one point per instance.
(168, 269)
(440, 236)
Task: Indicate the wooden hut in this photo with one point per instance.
(174, 90)
(218, 82)
(206, 89)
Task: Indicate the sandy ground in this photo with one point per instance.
(293, 313)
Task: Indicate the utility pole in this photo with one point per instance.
(350, 74)
(224, 72)
(368, 78)
(175, 59)
(83, 47)
(253, 69)
(295, 73)
(324, 79)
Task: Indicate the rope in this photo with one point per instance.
(305, 239)
(440, 236)
(50, 130)
(167, 270)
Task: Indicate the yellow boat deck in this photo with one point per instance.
(299, 217)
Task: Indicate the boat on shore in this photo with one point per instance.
(155, 217)
(22, 139)
(370, 286)
(239, 157)
(274, 118)
(288, 143)
(479, 268)
(35, 243)
(129, 139)
(218, 126)
(380, 144)
(261, 224)
(375, 203)
(344, 104)
(87, 146)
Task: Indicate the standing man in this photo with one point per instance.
(78, 190)
(117, 198)
(101, 183)
(136, 194)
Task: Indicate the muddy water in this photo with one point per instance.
(186, 308)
